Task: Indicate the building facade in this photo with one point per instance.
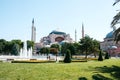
(55, 37)
(110, 46)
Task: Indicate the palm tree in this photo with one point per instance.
(116, 2)
(116, 20)
(117, 35)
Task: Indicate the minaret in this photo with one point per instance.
(82, 30)
(33, 35)
(75, 35)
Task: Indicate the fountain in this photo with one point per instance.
(24, 53)
(30, 53)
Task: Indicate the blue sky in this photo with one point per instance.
(67, 15)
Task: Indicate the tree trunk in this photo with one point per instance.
(86, 55)
(56, 57)
(94, 55)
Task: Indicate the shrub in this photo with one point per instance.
(106, 55)
(67, 58)
(100, 58)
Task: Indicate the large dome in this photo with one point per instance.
(57, 32)
(110, 35)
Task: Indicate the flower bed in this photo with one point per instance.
(42, 61)
(79, 60)
(76, 60)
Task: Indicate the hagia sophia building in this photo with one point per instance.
(57, 36)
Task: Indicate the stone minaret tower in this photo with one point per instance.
(75, 35)
(82, 30)
(33, 35)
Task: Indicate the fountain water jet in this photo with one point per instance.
(24, 53)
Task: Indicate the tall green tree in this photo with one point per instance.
(86, 44)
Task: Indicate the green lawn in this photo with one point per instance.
(91, 70)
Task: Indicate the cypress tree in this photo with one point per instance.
(67, 58)
(100, 58)
(106, 55)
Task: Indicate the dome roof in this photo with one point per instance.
(57, 32)
(110, 35)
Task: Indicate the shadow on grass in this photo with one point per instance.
(82, 78)
(114, 71)
(100, 77)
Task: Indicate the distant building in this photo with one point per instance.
(109, 45)
(55, 37)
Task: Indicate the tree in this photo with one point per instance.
(72, 49)
(8, 47)
(67, 58)
(116, 2)
(106, 55)
(89, 46)
(100, 58)
(95, 47)
(64, 47)
(41, 50)
(57, 46)
(117, 35)
(19, 42)
(30, 44)
(85, 45)
(116, 20)
(56, 49)
(2, 45)
(45, 50)
(76, 48)
(15, 49)
(53, 50)
(69, 46)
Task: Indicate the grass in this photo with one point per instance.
(107, 69)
